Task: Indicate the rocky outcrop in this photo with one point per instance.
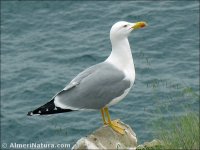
(155, 144)
(106, 138)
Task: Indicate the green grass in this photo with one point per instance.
(180, 133)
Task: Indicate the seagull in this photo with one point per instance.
(102, 85)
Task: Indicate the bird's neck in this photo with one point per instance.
(121, 55)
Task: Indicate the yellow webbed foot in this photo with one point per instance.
(117, 127)
(116, 123)
(113, 124)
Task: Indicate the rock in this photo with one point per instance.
(155, 144)
(106, 138)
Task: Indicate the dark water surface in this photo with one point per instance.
(45, 44)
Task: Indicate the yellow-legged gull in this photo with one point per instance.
(101, 85)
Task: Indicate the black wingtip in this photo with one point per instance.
(30, 113)
(47, 109)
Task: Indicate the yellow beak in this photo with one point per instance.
(138, 25)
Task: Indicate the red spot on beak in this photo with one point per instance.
(142, 25)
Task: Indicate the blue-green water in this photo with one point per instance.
(45, 44)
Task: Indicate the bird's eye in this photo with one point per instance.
(125, 26)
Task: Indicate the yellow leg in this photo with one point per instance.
(103, 117)
(114, 124)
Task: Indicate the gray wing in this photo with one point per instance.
(93, 88)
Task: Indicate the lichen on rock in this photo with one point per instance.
(106, 138)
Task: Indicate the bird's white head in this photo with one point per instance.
(122, 29)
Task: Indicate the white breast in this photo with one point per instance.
(121, 58)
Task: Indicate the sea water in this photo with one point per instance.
(44, 44)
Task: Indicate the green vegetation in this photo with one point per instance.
(180, 133)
